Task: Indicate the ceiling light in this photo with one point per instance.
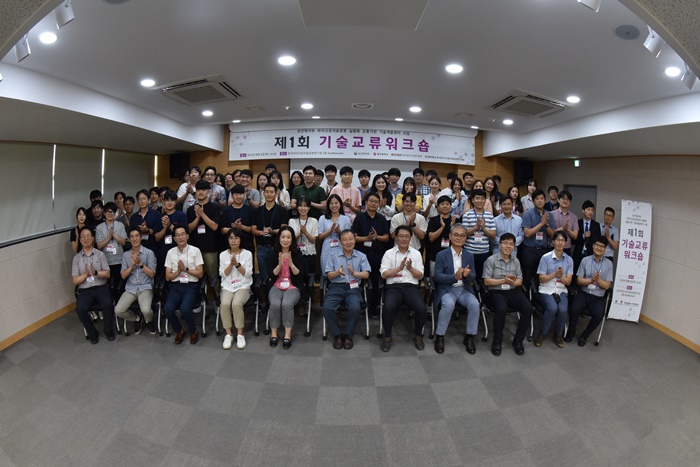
(577, 163)
(454, 68)
(316, 117)
(672, 71)
(307, 106)
(64, 14)
(236, 121)
(0, 77)
(592, 4)
(48, 37)
(147, 83)
(415, 109)
(286, 60)
(474, 127)
(207, 113)
(654, 43)
(399, 119)
(689, 78)
(507, 121)
(22, 50)
(573, 99)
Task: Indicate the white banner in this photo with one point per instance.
(632, 261)
(351, 142)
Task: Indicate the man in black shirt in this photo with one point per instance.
(239, 215)
(439, 231)
(203, 224)
(268, 219)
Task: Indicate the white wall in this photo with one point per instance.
(35, 281)
(671, 184)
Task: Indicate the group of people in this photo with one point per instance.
(466, 239)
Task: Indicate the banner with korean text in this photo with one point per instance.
(352, 140)
(632, 261)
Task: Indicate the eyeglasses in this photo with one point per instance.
(404, 237)
(507, 244)
(456, 235)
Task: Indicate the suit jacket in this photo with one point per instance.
(580, 241)
(445, 272)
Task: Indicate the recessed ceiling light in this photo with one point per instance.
(207, 113)
(507, 121)
(474, 127)
(48, 37)
(236, 121)
(454, 68)
(672, 71)
(573, 99)
(415, 109)
(147, 83)
(286, 60)
(307, 106)
(399, 119)
(316, 117)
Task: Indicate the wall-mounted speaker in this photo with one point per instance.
(179, 164)
(522, 171)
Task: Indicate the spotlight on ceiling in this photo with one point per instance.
(22, 50)
(689, 78)
(0, 77)
(592, 4)
(654, 43)
(64, 14)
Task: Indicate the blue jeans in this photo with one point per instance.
(338, 294)
(553, 309)
(448, 301)
(182, 297)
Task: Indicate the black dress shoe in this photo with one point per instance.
(518, 347)
(469, 344)
(439, 344)
(95, 340)
(347, 343)
(110, 337)
(496, 349)
(569, 337)
(418, 342)
(582, 342)
(273, 342)
(338, 342)
(286, 343)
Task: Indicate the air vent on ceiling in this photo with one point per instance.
(362, 106)
(528, 104)
(201, 91)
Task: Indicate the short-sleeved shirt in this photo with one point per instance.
(440, 243)
(357, 260)
(557, 219)
(305, 246)
(353, 194)
(245, 213)
(275, 218)
(615, 235)
(587, 269)
(548, 264)
(190, 199)
(139, 280)
(99, 263)
(496, 267)
(363, 224)
(392, 259)
(402, 219)
(191, 257)
(153, 222)
(531, 218)
(113, 250)
(513, 225)
(204, 237)
(316, 194)
(478, 242)
(251, 195)
(176, 218)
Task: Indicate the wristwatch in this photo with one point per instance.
(238, 265)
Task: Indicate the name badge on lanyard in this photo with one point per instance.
(445, 242)
(183, 278)
(201, 229)
(168, 239)
(334, 243)
(354, 284)
(479, 237)
(539, 236)
(284, 284)
(111, 249)
(368, 244)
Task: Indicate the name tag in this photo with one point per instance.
(168, 239)
(301, 245)
(354, 284)
(334, 243)
(398, 276)
(592, 286)
(144, 237)
(479, 237)
(111, 249)
(190, 202)
(183, 278)
(90, 279)
(539, 236)
(505, 287)
(445, 242)
(458, 284)
(236, 283)
(201, 229)
(368, 244)
(284, 284)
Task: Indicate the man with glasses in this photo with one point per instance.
(503, 278)
(110, 237)
(311, 190)
(562, 219)
(217, 193)
(594, 277)
(402, 269)
(454, 275)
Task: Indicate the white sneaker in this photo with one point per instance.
(240, 342)
(228, 341)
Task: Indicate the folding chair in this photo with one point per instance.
(608, 300)
(363, 306)
(486, 305)
(457, 311)
(202, 308)
(96, 310)
(253, 300)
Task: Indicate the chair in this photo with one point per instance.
(252, 300)
(486, 305)
(608, 300)
(382, 286)
(202, 308)
(96, 310)
(458, 309)
(363, 306)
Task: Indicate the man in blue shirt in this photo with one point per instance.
(345, 271)
(534, 245)
(507, 222)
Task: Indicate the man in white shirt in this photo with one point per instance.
(402, 269)
(409, 217)
(186, 195)
(184, 267)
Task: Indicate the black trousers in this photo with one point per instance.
(596, 307)
(531, 260)
(406, 294)
(103, 297)
(501, 300)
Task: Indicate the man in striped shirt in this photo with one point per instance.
(481, 229)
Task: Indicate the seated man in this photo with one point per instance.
(402, 268)
(454, 274)
(90, 273)
(138, 270)
(555, 272)
(503, 277)
(184, 267)
(345, 269)
(594, 277)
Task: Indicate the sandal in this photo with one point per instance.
(273, 342)
(286, 343)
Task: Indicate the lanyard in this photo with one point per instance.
(272, 217)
